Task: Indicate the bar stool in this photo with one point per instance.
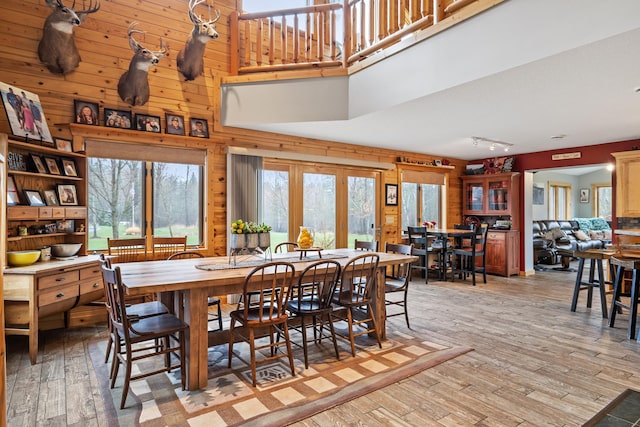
(622, 264)
(595, 257)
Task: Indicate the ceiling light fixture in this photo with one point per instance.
(493, 144)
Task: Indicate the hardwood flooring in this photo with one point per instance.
(535, 363)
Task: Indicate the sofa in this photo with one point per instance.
(554, 240)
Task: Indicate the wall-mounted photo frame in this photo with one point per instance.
(64, 145)
(199, 128)
(25, 114)
(86, 113)
(50, 198)
(117, 118)
(538, 194)
(38, 163)
(12, 192)
(391, 195)
(175, 124)
(67, 195)
(69, 167)
(584, 195)
(33, 198)
(65, 226)
(52, 165)
(148, 123)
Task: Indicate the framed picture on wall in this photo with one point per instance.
(25, 114)
(175, 124)
(391, 195)
(199, 128)
(86, 112)
(584, 195)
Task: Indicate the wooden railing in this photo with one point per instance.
(332, 35)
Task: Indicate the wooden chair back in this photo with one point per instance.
(285, 247)
(399, 272)
(185, 255)
(267, 288)
(371, 246)
(315, 286)
(127, 250)
(163, 247)
(357, 280)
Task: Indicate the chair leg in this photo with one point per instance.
(252, 349)
(304, 340)
(127, 379)
(333, 336)
(231, 339)
(375, 326)
(633, 305)
(617, 287)
(406, 310)
(351, 338)
(219, 316)
(289, 350)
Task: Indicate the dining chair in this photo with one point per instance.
(285, 247)
(127, 250)
(468, 257)
(397, 281)
(270, 283)
(362, 245)
(311, 300)
(134, 311)
(137, 339)
(211, 301)
(418, 238)
(354, 293)
(163, 247)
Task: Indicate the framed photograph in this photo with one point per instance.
(50, 198)
(64, 145)
(25, 114)
(391, 195)
(148, 123)
(199, 128)
(67, 195)
(175, 124)
(38, 163)
(33, 198)
(69, 167)
(117, 118)
(437, 163)
(12, 192)
(584, 195)
(86, 112)
(52, 165)
(65, 226)
(538, 194)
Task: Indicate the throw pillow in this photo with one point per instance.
(584, 224)
(599, 224)
(596, 234)
(607, 234)
(581, 235)
(557, 234)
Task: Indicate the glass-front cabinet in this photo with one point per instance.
(490, 194)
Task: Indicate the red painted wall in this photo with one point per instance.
(589, 155)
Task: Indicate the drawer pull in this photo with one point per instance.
(96, 285)
(60, 295)
(60, 279)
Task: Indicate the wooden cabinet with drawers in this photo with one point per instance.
(502, 253)
(45, 288)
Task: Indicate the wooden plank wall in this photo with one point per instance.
(103, 44)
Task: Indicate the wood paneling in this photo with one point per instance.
(105, 53)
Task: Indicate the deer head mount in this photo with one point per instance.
(191, 57)
(133, 86)
(57, 49)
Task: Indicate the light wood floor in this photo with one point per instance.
(535, 363)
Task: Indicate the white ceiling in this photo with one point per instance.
(521, 72)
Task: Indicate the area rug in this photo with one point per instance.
(622, 411)
(279, 399)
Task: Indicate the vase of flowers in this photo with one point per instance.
(249, 235)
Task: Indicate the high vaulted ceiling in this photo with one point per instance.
(521, 72)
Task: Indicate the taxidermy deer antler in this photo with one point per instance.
(191, 57)
(57, 49)
(133, 86)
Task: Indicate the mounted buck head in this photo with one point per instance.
(191, 58)
(57, 49)
(133, 86)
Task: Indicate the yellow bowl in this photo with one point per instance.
(22, 258)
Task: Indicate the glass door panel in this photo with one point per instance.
(498, 195)
(319, 208)
(474, 195)
(275, 204)
(361, 209)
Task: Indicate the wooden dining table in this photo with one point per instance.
(443, 235)
(197, 279)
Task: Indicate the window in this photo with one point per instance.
(422, 194)
(275, 204)
(130, 197)
(559, 200)
(602, 200)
